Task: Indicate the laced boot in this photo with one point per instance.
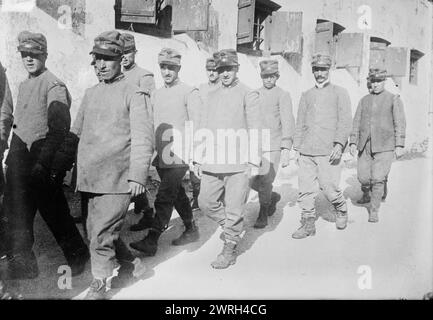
(307, 228)
(341, 220)
(227, 257)
(97, 290)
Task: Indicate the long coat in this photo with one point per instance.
(381, 118)
(115, 137)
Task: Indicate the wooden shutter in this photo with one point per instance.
(348, 50)
(283, 32)
(324, 42)
(396, 61)
(377, 55)
(245, 21)
(190, 15)
(142, 11)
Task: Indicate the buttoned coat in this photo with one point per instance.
(324, 119)
(115, 137)
(379, 117)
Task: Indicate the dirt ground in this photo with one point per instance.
(388, 260)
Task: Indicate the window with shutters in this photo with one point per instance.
(415, 55)
(326, 37)
(283, 36)
(162, 17)
(252, 15)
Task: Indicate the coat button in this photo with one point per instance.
(14, 126)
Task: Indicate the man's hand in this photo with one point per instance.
(353, 150)
(399, 152)
(136, 188)
(285, 157)
(336, 153)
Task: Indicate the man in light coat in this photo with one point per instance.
(114, 134)
(232, 112)
(277, 117)
(379, 131)
(322, 130)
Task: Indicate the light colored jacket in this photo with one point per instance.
(116, 137)
(229, 110)
(324, 119)
(277, 116)
(6, 111)
(379, 117)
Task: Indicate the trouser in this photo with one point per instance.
(222, 197)
(171, 194)
(373, 170)
(195, 183)
(262, 183)
(316, 172)
(106, 216)
(23, 198)
(3, 219)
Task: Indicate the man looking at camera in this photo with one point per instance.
(379, 131)
(115, 144)
(322, 129)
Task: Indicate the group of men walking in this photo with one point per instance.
(123, 121)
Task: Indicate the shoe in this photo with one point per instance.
(275, 198)
(262, 219)
(373, 216)
(341, 220)
(124, 275)
(306, 229)
(144, 223)
(97, 290)
(365, 199)
(20, 267)
(227, 257)
(194, 204)
(190, 234)
(148, 245)
(78, 265)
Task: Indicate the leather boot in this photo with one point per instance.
(97, 290)
(366, 194)
(149, 244)
(341, 220)
(190, 234)
(307, 228)
(275, 198)
(373, 216)
(262, 219)
(227, 257)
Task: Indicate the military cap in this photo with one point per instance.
(268, 67)
(376, 74)
(129, 42)
(210, 64)
(32, 42)
(226, 58)
(169, 56)
(108, 43)
(321, 60)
